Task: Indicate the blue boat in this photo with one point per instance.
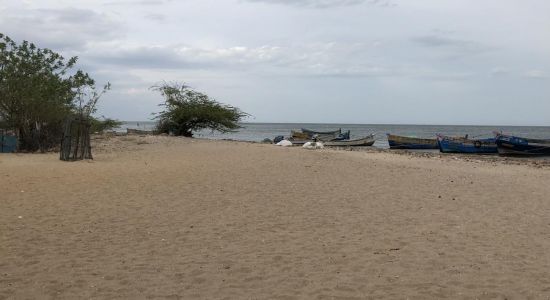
(465, 145)
(513, 145)
(406, 142)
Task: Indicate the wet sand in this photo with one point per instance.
(160, 217)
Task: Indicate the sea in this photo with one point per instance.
(256, 132)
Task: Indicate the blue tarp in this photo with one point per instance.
(8, 144)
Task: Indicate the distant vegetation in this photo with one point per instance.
(106, 124)
(187, 110)
(39, 91)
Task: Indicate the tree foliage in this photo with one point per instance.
(38, 93)
(187, 110)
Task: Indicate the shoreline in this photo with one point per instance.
(535, 161)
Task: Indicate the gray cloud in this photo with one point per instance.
(353, 72)
(302, 60)
(67, 29)
(499, 72)
(451, 48)
(391, 61)
(156, 17)
(326, 3)
(317, 59)
(441, 41)
(146, 58)
(140, 2)
(185, 57)
(535, 74)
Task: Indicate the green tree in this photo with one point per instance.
(187, 110)
(37, 93)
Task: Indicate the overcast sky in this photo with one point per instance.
(330, 61)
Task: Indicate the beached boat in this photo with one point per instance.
(343, 136)
(406, 142)
(323, 135)
(299, 135)
(465, 145)
(300, 138)
(512, 145)
(312, 132)
(365, 141)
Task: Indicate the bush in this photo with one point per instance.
(37, 93)
(187, 111)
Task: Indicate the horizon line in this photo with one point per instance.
(378, 124)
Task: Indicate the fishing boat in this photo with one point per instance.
(513, 145)
(406, 142)
(465, 145)
(323, 135)
(365, 141)
(343, 136)
(299, 135)
(313, 132)
(307, 134)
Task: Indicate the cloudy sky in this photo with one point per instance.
(330, 61)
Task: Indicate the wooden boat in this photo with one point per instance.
(320, 136)
(366, 141)
(513, 145)
(299, 135)
(343, 136)
(323, 137)
(465, 145)
(312, 132)
(406, 142)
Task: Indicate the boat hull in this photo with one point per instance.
(366, 141)
(322, 135)
(512, 145)
(312, 132)
(343, 136)
(299, 135)
(464, 145)
(405, 142)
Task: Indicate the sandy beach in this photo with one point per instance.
(178, 218)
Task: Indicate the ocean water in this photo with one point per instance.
(258, 131)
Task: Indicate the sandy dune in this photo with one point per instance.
(178, 218)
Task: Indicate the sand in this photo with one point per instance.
(175, 218)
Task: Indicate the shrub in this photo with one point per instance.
(187, 110)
